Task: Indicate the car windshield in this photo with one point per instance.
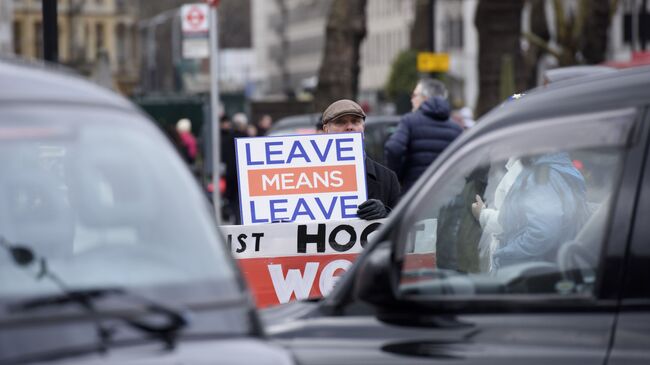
(104, 199)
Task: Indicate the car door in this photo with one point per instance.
(632, 336)
(450, 302)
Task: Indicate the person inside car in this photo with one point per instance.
(545, 207)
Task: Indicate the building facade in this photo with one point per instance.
(289, 38)
(93, 34)
(456, 35)
(163, 68)
(6, 24)
(630, 30)
(388, 33)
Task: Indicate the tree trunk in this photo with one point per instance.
(539, 27)
(420, 31)
(581, 37)
(339, 71)
(499, 29)
(594, 45)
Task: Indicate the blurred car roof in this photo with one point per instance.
(295, 124)
(44, 82)
(306, 123)
(571, 72)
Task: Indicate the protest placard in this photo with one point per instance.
(301, 178)
(289, 261)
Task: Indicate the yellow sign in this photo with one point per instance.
(433, 62)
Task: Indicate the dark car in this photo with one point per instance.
(109, 252)
(377, 130)
(561, 276)
(295, 124)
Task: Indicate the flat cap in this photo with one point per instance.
(340, 108)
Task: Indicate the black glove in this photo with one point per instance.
(372, 209)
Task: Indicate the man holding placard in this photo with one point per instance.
(382, 184)
(300, 196)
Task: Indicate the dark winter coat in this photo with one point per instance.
(382, 184)
(421, 136)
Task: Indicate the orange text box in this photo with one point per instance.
(302, 180)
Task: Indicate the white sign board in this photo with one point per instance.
(196, 48)
(300, 239)
(317, 177)
(194, 18)
(195, 26)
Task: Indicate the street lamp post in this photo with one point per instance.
(214, 106)
(50, 31)
(432, 24)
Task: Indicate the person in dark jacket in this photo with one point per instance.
(383, 188)
(423, 134)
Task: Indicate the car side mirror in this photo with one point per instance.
(374, 282)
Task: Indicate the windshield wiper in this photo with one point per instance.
(167, 332)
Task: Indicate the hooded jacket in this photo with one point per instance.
(545, 207)
(420, 137)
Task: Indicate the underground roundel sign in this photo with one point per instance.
(194, 18)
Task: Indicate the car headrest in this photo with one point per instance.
(588, 242)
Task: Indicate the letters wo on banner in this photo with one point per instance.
(301, 178)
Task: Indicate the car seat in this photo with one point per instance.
(578, 258)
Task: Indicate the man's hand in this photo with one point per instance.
(477, 207)
(372, 209)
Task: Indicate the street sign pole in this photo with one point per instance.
(214, 106)
(432, 24)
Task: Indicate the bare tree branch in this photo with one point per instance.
(539, 42)
(613, 7)
(579, 22)
(560, 21)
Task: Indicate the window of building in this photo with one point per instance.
(38, 39)
(18, 36)
(99, 36)
(453, 28)
(122, 45)
(636, 22)
(120, 5)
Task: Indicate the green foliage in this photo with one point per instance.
(403, 77)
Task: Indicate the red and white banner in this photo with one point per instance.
(289, 261)
(195, 18)
(195, 24)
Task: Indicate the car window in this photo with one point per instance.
(523, 213)
(375, 136)
(103, 198)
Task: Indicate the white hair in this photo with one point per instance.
(432, 87)
(184, 125)
(240, 120)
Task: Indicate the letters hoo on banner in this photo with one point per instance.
(288, 261)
